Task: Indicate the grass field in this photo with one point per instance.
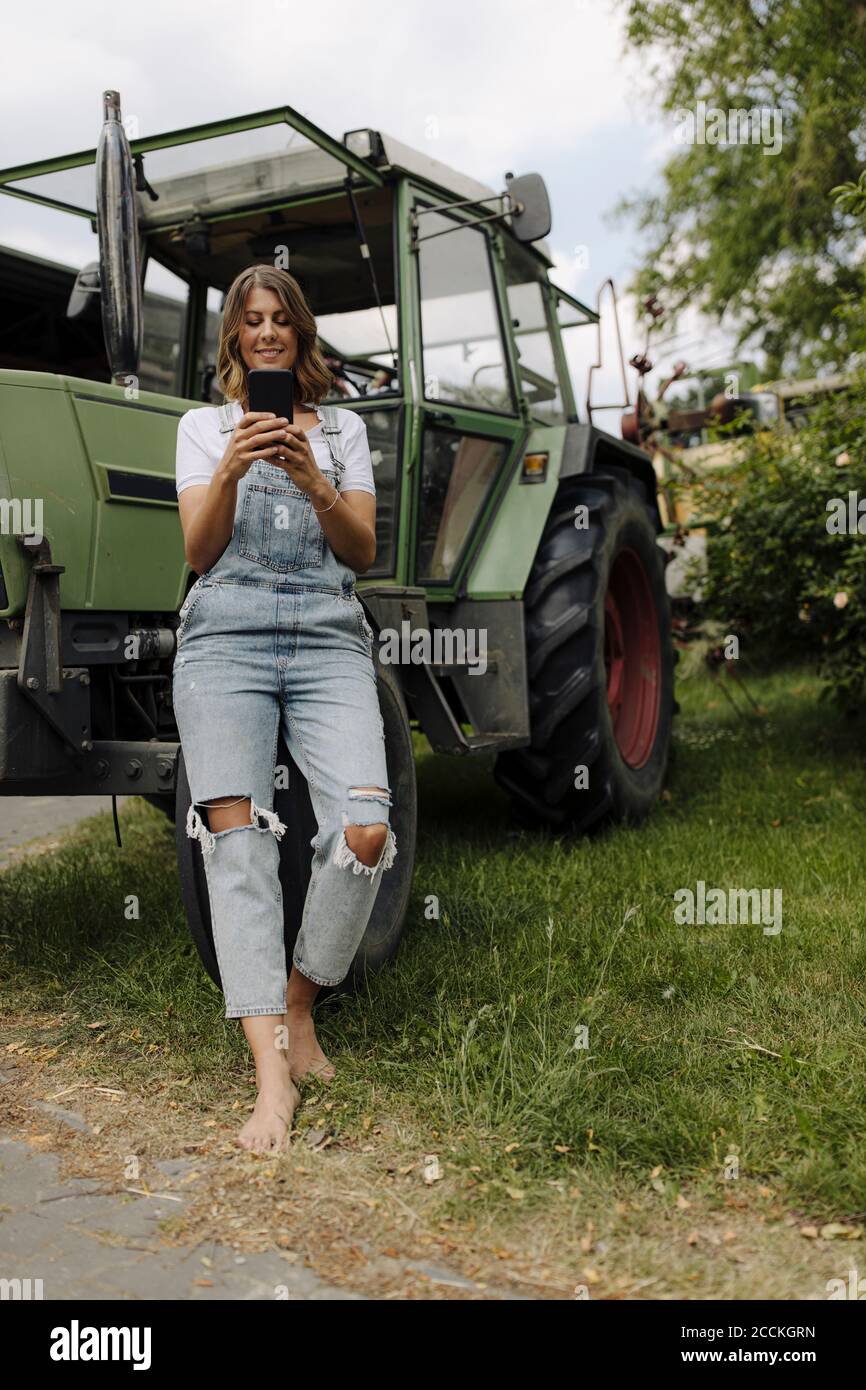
(723, 1067)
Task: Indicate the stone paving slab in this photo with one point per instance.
(62, 1233)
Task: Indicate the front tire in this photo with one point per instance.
(600, 660)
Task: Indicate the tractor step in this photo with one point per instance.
(447, 694)
(496, 742)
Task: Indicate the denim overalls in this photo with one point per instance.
(273, 636)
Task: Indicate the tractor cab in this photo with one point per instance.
(430, 291)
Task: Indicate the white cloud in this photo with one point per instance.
(508, 85)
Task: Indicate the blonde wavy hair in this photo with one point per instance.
(312, 375)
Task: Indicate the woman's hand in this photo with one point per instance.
(207, 511)
(258, 434)
(297, 459)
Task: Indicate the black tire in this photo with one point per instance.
(163, 802)
(596, 599)
(293, 804)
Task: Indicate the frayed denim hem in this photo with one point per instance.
(255, 1013)
(316, 979)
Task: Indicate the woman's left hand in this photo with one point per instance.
(299, 461)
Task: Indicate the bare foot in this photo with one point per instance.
(306, 1058)
(268, 1128)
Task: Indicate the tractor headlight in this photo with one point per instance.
(365, 143)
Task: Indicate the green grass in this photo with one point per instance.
(470, 1032)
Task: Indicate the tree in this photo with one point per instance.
(738, 229)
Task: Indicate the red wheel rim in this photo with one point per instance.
(632, 658)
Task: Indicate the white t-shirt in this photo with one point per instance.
(201, 445)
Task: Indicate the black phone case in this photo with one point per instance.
(273, 389)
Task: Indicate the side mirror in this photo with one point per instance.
(84, 298)
(531, 219)
(119, 244)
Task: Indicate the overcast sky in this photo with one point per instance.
(484, 85)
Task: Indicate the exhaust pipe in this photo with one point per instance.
(119, 248)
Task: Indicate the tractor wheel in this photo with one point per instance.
(163, 802)
(293, 804)
(600, 660)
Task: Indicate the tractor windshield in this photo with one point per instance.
(318, 242)
(215, 216)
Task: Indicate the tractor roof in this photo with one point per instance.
(215, 169)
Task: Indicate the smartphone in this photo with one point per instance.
(273, 388)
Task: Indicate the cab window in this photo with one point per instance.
(461, 332)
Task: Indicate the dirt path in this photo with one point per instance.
(82, 1241)
(84, 1209)
(106, 1192)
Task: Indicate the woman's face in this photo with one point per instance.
(267, 338)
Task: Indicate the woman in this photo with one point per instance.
(278, 517)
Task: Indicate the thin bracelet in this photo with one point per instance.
(319, 510)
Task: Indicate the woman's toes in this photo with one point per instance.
(269, 1126)
(323, 1070)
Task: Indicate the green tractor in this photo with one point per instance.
(518, 596)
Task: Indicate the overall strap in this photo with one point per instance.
(331, 428)
(226, 418)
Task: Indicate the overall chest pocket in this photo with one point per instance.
(278, 527)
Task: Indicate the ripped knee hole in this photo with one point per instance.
(367, 841)
(366, 847)
(198, 829)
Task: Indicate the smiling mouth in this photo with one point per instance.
(269, 352)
